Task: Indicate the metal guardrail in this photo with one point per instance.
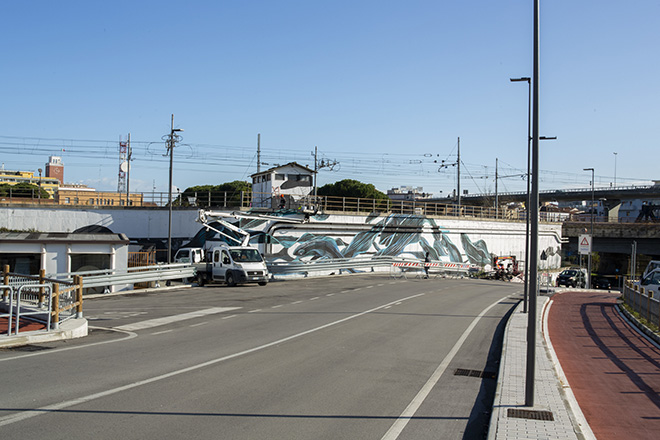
(353, 265)
(643, 301)
(107, 278)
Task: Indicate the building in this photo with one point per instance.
(83, 195)
(407, 193)
(282, 183)
(15, 177)
(55, 169)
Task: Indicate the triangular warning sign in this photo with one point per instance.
(584, 242)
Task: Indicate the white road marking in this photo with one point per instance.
(131, 335)
(201, 323)
(229, 317)
(398, 426)
(254, 311)
(277, 306)
(163, 332)
(330, 294)
(370, 287)
(296, 302)
(314, 299)
(24, 415)
(175, 318)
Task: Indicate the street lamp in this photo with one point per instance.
(171, 143)
(528, 80)
(592, 226)
(615, 154)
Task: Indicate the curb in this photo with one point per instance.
(73, 328)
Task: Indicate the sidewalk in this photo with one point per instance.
(34, 333)
(552, 417)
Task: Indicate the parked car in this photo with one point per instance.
(651, 280)
(601, 283)
(571, 278)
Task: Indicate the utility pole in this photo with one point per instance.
(458, 176)
(258, 153)
(316, 153)
(128, 172)
(171, 143)
(497, 201)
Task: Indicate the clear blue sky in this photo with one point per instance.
(385, 88)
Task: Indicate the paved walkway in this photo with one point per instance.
(613, 371)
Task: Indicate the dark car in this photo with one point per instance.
(601, 283)
(571, 278)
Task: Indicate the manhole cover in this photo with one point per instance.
(530, 414)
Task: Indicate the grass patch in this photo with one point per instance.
(654, 328)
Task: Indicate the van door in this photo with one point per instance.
(221, 262)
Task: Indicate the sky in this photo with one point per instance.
(385, 90)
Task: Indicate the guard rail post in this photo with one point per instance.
(5, 281)
(55, 306)
(78, 281)
(42, 276)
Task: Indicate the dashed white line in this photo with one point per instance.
(313, 299)
(369, 287)
(345, 291)
(330, 294)
(199, 323)
(277, 306)
(230, 316)
(296, 302)
(254, 311)
(160, 333)
(380, 285)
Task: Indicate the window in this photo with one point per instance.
(280, 176)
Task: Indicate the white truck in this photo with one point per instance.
(229, 264)
(189, 255)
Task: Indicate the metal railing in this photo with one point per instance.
(643, 300)
(354, 265)
(39, 298)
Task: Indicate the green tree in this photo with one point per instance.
(215, 195)
(351, 188)
(27, 190)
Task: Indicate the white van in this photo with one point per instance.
(189, 255)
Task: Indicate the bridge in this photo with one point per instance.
(611, 196)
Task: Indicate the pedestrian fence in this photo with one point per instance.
(40, 299)
(643, 300)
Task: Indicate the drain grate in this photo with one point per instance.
(475, 373)
(530, 414)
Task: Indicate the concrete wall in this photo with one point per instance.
(450, 239)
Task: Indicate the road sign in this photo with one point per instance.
(584, 244)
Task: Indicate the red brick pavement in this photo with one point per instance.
(613, 371)
(25, 326)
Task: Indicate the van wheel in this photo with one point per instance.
(200, 279)
(231, 282)
(263, 283)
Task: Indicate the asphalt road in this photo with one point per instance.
(354, 357)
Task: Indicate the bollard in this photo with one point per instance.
(78, 280)
(56, 306)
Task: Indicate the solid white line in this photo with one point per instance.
(175, 318)
(24, 415)
(398, 426)
(131, 335)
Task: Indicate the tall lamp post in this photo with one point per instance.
(591, 232)
(615, 154)
(172, 139)
(528, 80)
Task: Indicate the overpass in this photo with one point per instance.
(612, 195)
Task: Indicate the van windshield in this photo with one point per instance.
(246, 256)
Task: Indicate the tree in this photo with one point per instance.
(228, 193)
(351, 188)
(27, 190)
